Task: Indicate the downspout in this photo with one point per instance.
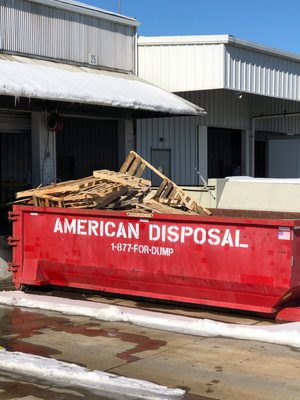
(252, 145)
(135, 52)
(252, 137)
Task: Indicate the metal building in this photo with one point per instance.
(252, 97)
(73, 65)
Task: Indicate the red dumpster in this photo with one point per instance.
(233, 262)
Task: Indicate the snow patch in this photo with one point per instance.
(285, 334)
(74, 375)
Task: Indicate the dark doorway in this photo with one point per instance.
(260, 158)
(15, 171)
(224, 147)
(85, 145)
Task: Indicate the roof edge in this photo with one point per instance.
(82, 8)
(215, 39)
(201, 39)
(263, 48)
(129, 92)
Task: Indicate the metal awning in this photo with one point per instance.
(46, 80)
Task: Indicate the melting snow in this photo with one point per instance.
(23, 77)
(74, 375)
(284, 334)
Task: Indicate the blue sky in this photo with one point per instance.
(268, 22)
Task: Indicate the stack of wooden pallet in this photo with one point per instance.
(123, 190)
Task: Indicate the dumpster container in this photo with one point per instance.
(240, 262)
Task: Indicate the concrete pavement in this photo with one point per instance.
(215, 368)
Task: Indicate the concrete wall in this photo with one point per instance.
(43, 151)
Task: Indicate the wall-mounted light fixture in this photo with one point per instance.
(54, 122)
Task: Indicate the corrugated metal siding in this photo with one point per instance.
(85, 145)
(12, 121)
(192, 67)
(178, 134)
(182, 67)
(225, 110)
(39, 30)
(263, 74)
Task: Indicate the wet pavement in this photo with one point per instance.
(207, 368)
(18, 387)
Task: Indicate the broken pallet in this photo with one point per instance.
(168, 192)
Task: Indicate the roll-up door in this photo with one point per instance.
(11, 121)
(224, 152)
(85, 145)
(15, 159)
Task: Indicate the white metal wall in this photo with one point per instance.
(182, 67)
(260, 73)
(40, 30)
(224, 110)
(178, 134)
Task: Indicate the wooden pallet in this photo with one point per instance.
(155, 207)
(123, 178)
(168, 192)
(123, 190)
(62, 187)
(95, 197)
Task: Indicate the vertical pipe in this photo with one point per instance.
(252, 147)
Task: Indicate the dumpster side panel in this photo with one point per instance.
(244, 264)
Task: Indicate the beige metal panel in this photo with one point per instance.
(261, 194)
(261, 73)
(182, 67)
(43, 31)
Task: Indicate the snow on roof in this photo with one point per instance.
(40, 79)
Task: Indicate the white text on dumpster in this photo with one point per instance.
(155, 233)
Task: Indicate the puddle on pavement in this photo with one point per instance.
(17, 324)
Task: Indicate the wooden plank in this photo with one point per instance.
(127, 162)
(140, 170)
(154, 206)
(161, 188)
(134, 166)
(121, 178)
(103, 202)
(53, 188)
(167, 190)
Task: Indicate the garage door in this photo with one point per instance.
(15, 159)
(85, 145)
